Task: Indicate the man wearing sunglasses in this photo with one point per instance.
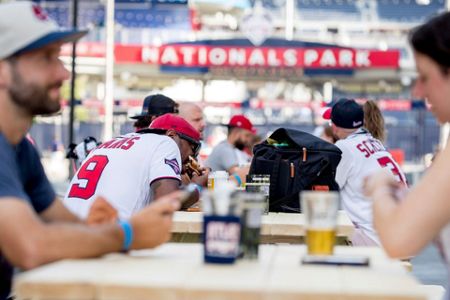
(133, 170)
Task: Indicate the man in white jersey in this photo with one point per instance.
(362, 155)
(132, 170)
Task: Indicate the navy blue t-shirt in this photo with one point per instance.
(21, 176)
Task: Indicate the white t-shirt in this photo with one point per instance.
(362, 155)
(121, 170)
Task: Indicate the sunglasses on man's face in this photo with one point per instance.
(194, 144)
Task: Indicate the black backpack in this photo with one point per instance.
(295, 161)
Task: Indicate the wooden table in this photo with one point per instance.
(177, 271)
(275, 228)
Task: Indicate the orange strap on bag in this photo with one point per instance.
(323, 188)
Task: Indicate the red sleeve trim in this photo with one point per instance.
(165, 177)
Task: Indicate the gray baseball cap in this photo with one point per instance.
(25, 26)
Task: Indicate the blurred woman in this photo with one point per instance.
(406, 224)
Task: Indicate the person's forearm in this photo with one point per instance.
(233, 169)
(57, 212)
(51, 242)
(384, 208)
(394, 234)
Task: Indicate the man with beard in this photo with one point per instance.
(35, 228)
(225, 156)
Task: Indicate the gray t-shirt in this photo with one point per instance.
(223, 157)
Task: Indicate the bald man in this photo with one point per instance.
(194, 115)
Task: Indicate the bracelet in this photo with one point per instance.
(127, 232)
(238, 179)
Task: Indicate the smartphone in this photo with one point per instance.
(189, 196)
(336, 260)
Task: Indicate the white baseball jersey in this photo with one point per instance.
(362, 155)
(121, 170)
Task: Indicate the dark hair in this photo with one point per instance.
(433, 40)
(373, 120)
(143, 122)
(12, 59)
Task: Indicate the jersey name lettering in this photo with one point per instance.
(370, 146)
(120, 143)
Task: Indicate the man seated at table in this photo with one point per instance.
(133, 170)
(226, 155)
(35, 228)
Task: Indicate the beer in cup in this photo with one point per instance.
(217, 178)
(320, 210)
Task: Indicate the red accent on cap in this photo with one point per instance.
(180, 125)
(241, 121)
(39, 12)
(327, 114)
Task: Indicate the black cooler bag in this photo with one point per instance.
(295, 161)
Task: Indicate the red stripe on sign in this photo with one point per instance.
(229, 56)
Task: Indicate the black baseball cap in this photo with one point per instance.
(345, 113)
(156, 105)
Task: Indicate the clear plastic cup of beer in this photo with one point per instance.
(320, 210)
